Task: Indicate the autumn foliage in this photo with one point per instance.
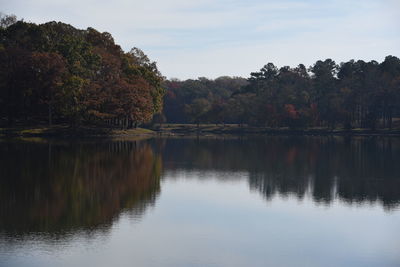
(54, 72)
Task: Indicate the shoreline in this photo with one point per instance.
(188, 129)
(64, 131)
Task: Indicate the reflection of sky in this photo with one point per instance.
(209, 222)
(192, 38)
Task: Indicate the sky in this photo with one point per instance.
(212, 38)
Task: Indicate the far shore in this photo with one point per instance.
(234, 129)
(65, 131)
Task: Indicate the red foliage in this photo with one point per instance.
(291, 111)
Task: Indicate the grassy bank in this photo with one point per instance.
(67, 131)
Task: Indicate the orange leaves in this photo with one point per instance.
(291, 111)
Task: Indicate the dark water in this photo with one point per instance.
(273, 201)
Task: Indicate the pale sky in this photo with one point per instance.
(211, 38)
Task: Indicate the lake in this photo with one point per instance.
(234, 201)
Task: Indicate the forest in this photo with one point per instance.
(353, 94)
(53, 73)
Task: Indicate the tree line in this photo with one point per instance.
(201, 100)
(349, 95)
(55, 73)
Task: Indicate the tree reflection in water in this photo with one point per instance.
(354, 170)
(55, 188)
(58, 188)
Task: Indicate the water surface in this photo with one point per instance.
(274, 201)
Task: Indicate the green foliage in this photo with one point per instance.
(198, 109)
(208, 96)
(352, 94)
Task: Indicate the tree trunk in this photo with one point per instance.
(50, 114)
(126, 121)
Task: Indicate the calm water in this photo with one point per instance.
(201, 202)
